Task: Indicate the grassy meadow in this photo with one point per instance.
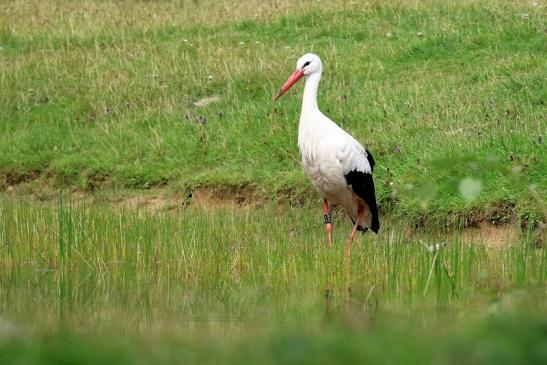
(105, 101)
(102, 95)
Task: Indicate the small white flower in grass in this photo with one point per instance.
(470, 188)
(535, 4)
(185, 40)
(389, 34)
(210, 78)
(419, 34)
(433, 247)
(241, 43)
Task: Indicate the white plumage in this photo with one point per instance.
(337, 165)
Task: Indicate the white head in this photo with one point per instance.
(309, 64)
(306, 65)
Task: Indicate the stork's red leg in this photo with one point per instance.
(328, 221)
(360, 213)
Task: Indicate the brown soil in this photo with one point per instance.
(151, 203)
(204, 198)
(493, 236)
(218, 199)
(479, 227)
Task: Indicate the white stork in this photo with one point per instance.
(337, 165)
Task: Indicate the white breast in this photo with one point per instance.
(320, 150)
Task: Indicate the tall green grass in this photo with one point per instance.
(255, 285)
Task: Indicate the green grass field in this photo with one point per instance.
(100, 95)
(102, 102)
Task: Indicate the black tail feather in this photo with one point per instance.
(363, 185)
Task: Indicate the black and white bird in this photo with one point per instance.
(338, 166)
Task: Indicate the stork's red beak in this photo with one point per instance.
(296, 75)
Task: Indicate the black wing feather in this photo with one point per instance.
(363, 185)
(370, 160)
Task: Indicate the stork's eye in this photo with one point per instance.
(306, 64)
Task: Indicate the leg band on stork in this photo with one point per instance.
(328, 221)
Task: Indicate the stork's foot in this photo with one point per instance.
(360, 214)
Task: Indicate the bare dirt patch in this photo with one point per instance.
(152, 203)
(229, 198)
(480, 227)
(203, 198)
(492, 236)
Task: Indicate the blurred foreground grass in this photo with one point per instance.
(93, 284)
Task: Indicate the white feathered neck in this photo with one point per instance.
(309, 99)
